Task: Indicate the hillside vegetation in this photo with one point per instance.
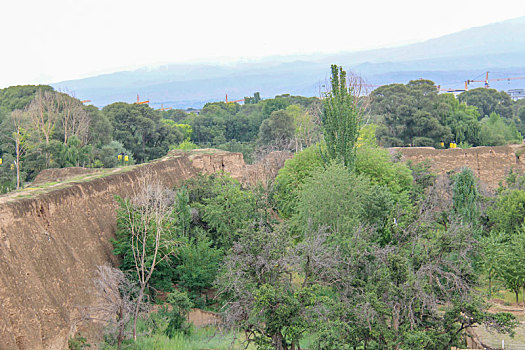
(346, 249)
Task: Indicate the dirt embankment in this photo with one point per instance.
(490, 164)
(51, 241)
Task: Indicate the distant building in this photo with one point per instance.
(193, 110)
(516, 94)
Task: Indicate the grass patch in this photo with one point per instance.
(35, 190)
(201, 338)
(500, 293)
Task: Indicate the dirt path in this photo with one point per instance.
(493, 339)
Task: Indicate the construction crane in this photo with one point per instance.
(162, 109)
(487, 80)
(84, 101)
(139, 102)
(241, 100)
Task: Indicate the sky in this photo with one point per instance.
(56, 40)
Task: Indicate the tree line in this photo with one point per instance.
(42, 128)
(414, 114)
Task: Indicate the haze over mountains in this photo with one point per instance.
(448, 60)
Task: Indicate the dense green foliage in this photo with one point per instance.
(415, 114)
(206, 217)
(488, 101)
(358, 260)
(496, 132)
(139, 129)
(282, 123)
(333, 198)
(465, 198)
(340, 120)
(291, 178)
(19, 97)
(507, 214)
(382, 255)
(408, 115)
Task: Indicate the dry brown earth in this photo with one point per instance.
(51, 240)
(490, 164)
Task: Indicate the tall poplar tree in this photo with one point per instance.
(340, 119)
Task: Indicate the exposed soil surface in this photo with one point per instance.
(52, 237)
(490, 164)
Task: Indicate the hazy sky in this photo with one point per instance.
(54, 40)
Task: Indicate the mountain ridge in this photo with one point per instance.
(450, 58)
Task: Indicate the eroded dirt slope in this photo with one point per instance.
(51, 240)
(490, 164)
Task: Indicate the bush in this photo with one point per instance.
(291, 178)
(177, 316)
(423, 142)
(496, 132)
(77, 343)
(376, 163)
(198, 263)
(332, 197)
(508, 212)
(185, 146)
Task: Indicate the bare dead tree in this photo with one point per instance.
(312, 127)
(262, 258)
(359, 88)
(43, 112)
(50, 108)
(145, 215)
(307, 126)
(114, 304)
(360, 91)
(284, 145)
(268, 160)
(75, 120)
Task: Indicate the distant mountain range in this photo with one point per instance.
(448, 60)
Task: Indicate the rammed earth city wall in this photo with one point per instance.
(50, 244)
(490, 164)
